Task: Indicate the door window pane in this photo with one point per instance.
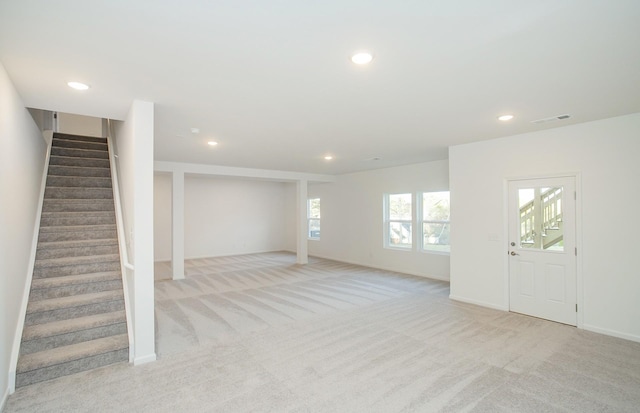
(541, 225)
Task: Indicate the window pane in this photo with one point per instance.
(436, 236)
(314, 208)
(400, 234)
(400, 206)
(540, 211)
(314, 228)
(435, 206)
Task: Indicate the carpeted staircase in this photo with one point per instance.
(75, 318)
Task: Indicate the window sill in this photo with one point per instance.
(407, 249)
(447, 253)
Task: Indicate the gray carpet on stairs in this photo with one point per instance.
(75, 318)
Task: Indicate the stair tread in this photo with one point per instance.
(59, 355)
(78, 187)
(71, 136)
(79, 177)
(78, 200)
(74, 228)
(75, 214)
(51, 245)
(55, 328)
(83, 259)
(67, 280)
(74, 301)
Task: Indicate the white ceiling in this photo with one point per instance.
(272, 83)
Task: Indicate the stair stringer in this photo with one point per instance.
(126, 268)
(17, 338)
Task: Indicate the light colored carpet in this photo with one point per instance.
(259, 333)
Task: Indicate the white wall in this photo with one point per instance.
(224, 216)
(606, 154)
(290, 217)
(22, 156)
(352, 218)
(134, 141)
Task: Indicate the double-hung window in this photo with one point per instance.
(435, 221)
(398, 221)
(313, 218)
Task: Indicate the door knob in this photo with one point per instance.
(514, 253)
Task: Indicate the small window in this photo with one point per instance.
(398, 221)
(313, 218)
(435, 221)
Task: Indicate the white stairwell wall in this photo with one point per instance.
(134, 142)
(21, 166)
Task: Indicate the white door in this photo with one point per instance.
(542, 248)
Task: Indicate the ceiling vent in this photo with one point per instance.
(551, 119)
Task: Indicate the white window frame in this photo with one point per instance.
(388, 222)
(310, 218)
(421, 221)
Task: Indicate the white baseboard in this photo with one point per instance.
(477, 302)
(613, 333)
(3, 401)
(230, 254)
(432, 277)
(144, 359)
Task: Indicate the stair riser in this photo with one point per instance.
(78, 193)
(82, 162)
(85, 260)
(64, 143)
(77, 235)
(78, 182)
(73, 312)
(47, 343)
(78, 138)
(59, 170)
(79, 153)
(76, 366)
(52, 205)
(67, 291)
(48, 253)
(53, 221)
(63, 270)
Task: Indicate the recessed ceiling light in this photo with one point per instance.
(195, 130)
(362, 58)
(78, 85)
(505, 118)
(212, 143)
(328, 158)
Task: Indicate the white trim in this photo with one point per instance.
(22, 314)
(3, 401)
(579, 267)
(144, 359)
(233, 254)
(377, 267)
(477, 302)
(125, 265)
(577, 177)
(201, 169)
(612, 333)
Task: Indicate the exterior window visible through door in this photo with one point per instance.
(541, 219)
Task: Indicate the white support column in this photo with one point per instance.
(177, 225)
(301, 222)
